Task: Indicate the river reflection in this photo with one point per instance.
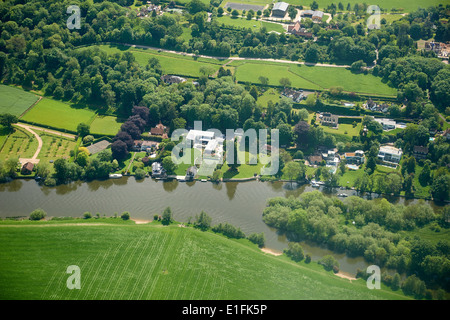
(238, 203)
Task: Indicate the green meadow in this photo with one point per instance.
(105, 125)
(171, 63)
(15, 101)
(19, 144)
(57, 114)
(311, 77)
(122, 260)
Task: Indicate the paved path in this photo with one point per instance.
(34, 159)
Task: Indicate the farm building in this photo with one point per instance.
(27, 168)
(297, 30)
(159, 130)
(314, 15)
(280, 9)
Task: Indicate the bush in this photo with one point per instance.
(294, 251)
(155, 217)
(125, 215)
(329, 263)
(307, 258)
(49, 182)
(87, 215)
(139, 174)
(38, 214)
(257, 238)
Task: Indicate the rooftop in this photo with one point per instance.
(280, 6)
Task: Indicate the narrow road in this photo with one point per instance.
(66, 135)
(231, 58)
(34, 159)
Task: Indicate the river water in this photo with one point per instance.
(238, 203)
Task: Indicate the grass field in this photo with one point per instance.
(126, 261)
(408, 6)
(171, 63)
(15, 101)
(269, 95)
(57, 114)
(312, 77)
(105, 125)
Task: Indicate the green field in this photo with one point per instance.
(57, 114)
(105, 125)
(54, 147)
(121, 260)
(407, 5)
(311, 77)
(15, 101)
(170, 63)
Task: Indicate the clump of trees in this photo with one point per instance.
(38, 214)
(367, 228)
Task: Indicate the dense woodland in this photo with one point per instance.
(374, 229)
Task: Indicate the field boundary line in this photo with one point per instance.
(30, 107)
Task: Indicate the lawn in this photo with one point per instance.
(4, 131)
(270, 94)
(57, 114)
(121, 260)
(20, 144)
(344, 132)
(105, 125)
(245, 170)
(171, 63)
(15, 101)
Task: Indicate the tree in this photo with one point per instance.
(7, 120)
(285, 134)
(257, 238)
(61, 169)
(168, 164)
(329, 263)
(440, 188)
(314, 5)
(83, 129)
(139, 173)
(166, 216)
(203, 221)
(294, 251)
(119, 149)
(312, 54)
(125, 215)
(38, 214)
(293, 170)
(264, 80)
(285, 82)
(234, 13)
(301, 131)
(196, 6)
(292, 12)
(425, 174)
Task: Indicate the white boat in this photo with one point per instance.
(342, 195)
(203, 180)
(115, 176)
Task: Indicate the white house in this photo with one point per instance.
(387, 124)
(390, 155)
(198, 138)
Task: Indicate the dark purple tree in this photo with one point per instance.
(143, 112)
(124, 137)
(301, 130)
(119, 150)
(132, 129)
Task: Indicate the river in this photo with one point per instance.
(238, 203)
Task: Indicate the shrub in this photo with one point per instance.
(329, 263)
(257, 238)
(125, 215)
(38, 214)
(139, 173)
(307, 258)
(294, 251)
(155, 217)
(87, 215)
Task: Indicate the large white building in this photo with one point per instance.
(390, 155)
(387, 124)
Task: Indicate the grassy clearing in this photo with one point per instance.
(57, 114)
(250, 72)
(170, 63)
(20, 144)
(269, 95)
(124, 261)
(105, 125)
(327, 77)
(15, 101)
